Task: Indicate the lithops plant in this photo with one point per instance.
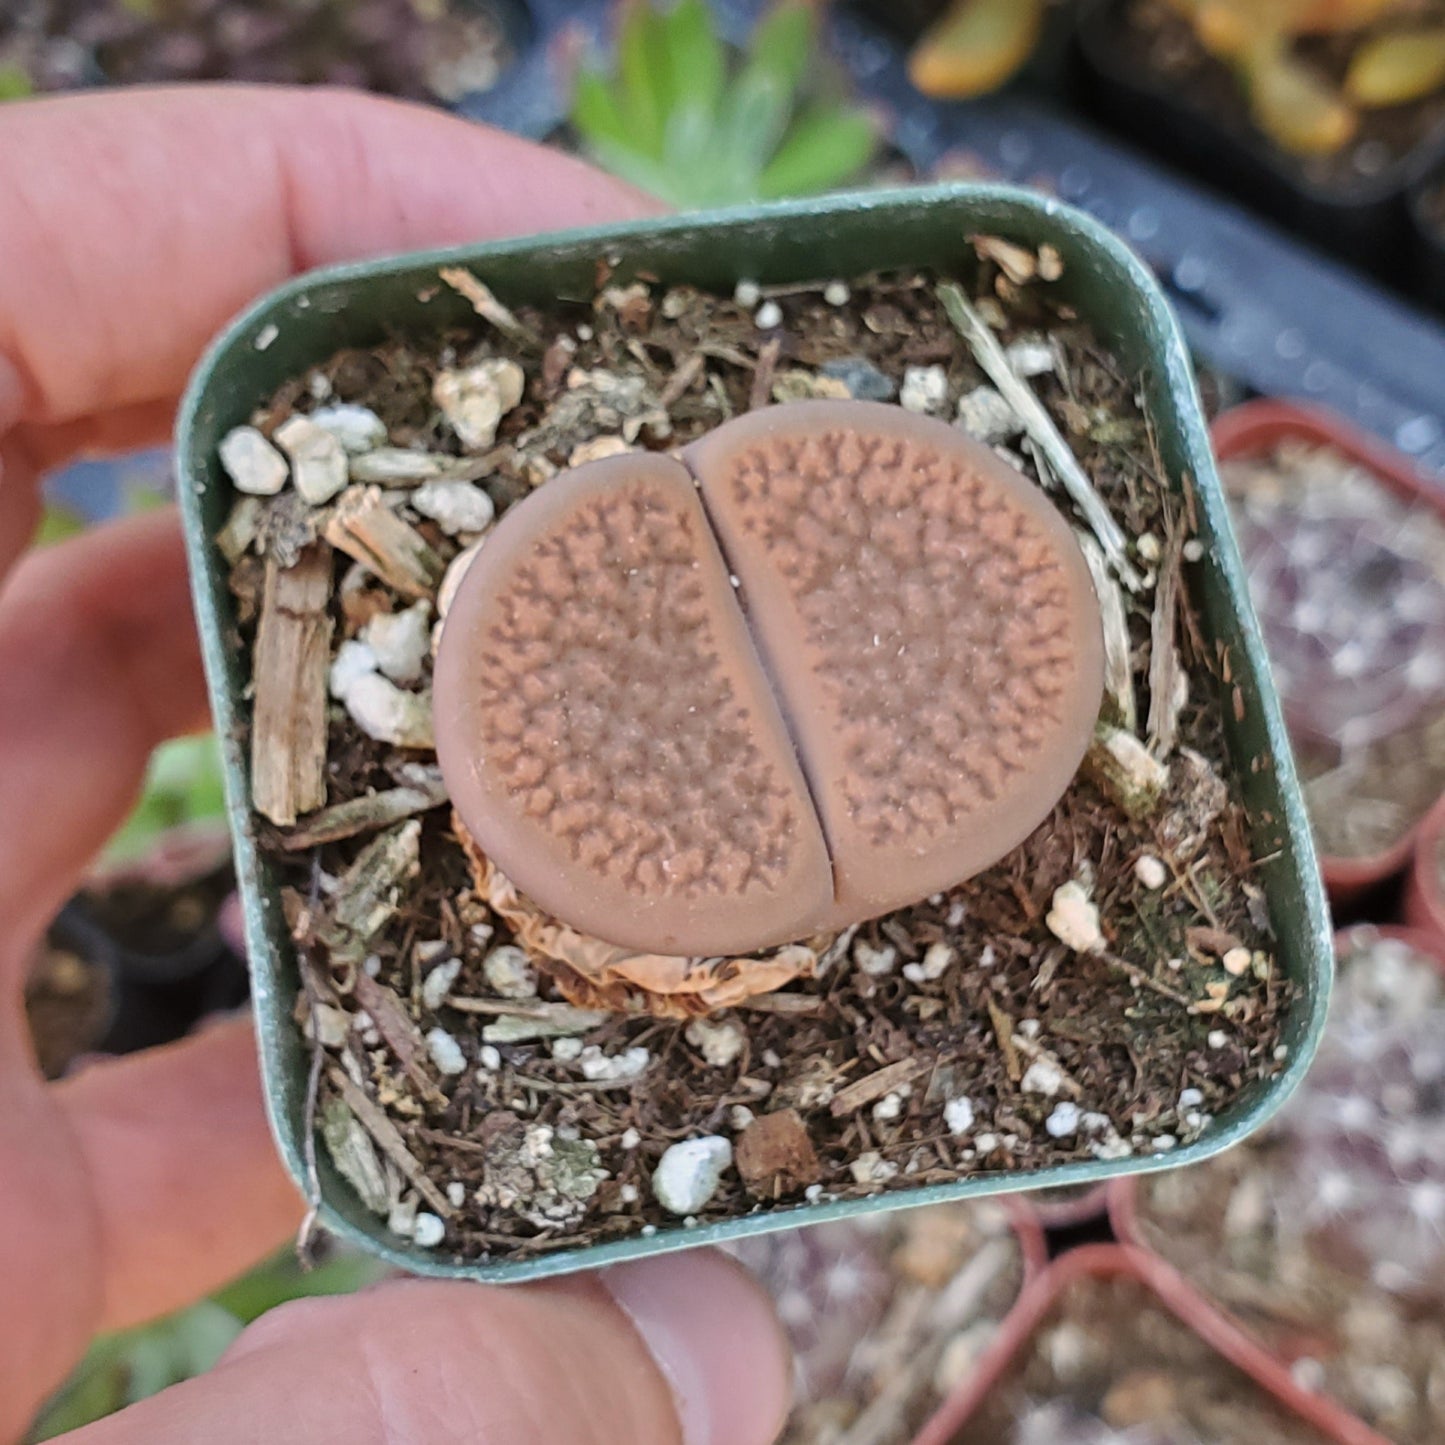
(834, 658)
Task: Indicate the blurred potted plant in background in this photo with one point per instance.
(1345, 547)
(695, 123)
(436, 50)
(1320, 112)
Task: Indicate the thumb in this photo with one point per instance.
(681, 1350)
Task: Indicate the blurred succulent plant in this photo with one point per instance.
(184, 788)
(975, 46)
(696, 124)
(1294, 103)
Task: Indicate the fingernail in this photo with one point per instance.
(716, 1340)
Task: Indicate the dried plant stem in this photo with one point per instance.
(1118, 669)
(1040, 429)
(388, 1139)
(484, 302)
(1168, 690)
(365, 814)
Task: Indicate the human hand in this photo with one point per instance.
(131, 227)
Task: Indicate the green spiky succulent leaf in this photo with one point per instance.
(694, 124)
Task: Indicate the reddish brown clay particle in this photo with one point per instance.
(775, 1156)
(889, 692)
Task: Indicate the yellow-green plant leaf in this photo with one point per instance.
(1400, 66)
(782, 44)
(696, 57)
(642, 84)
(596, 113)
(975, 47)
(825, 147)
(15, 81)
(1294, 105)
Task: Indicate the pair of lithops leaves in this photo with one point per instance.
(829, 660)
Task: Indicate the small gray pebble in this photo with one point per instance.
(863, 380)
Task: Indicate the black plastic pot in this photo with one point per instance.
(164, 977)
(1429, 236)
(1365, 220)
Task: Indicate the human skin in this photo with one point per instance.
(131, 227)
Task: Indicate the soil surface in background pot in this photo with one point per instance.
(1432, 210)
(1152, 36)
(885, 1315)
(436, 50)
(1002, 1026)
(1349, 582)
(68, 1004)
(132, 962)
(1109, 1364)
(1324, 1235)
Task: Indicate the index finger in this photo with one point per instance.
(134, 224)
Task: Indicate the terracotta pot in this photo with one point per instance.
(1182, 1300)
(1255, 429)
(1424, 894)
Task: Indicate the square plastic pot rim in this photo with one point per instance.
(1137, 304)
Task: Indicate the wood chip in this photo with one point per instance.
(1018, 263)
(875, 1085)
(774, 1155)
(368, 892)
(411, 467)
(363, 815)
(292, 655)
(1003, 1028)
(518, 1024)
(242, 528)
(760, 393)
(388, 1139)
(365, 528)
(798, 1004)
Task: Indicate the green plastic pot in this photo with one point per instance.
(306, 320)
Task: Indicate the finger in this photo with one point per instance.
(682, 1349)
(49, 1248)
(135, 224)
(33, 451)
(188, 1191)
(98, 664)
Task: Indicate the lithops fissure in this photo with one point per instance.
(833, 658)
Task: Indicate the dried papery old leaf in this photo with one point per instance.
(597, 975)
